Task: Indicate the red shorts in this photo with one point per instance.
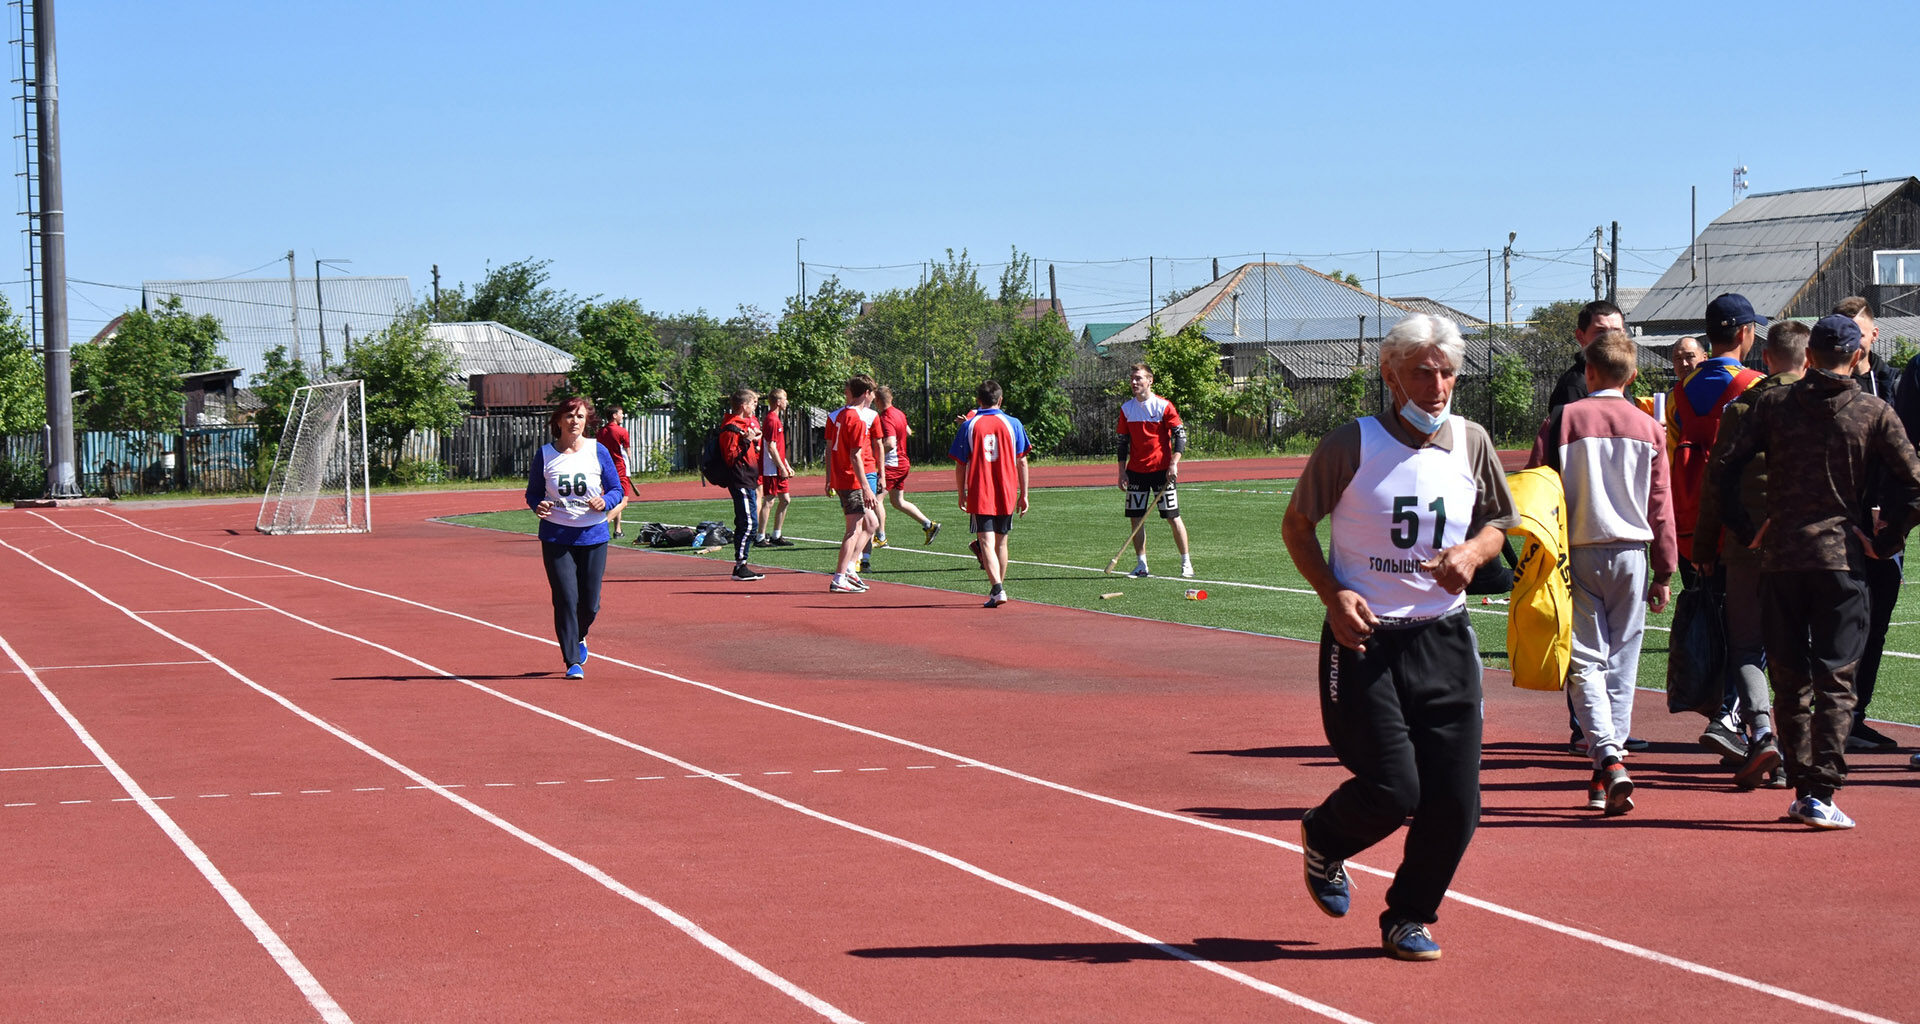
(626, 488)
(897, 478)
(775, 485)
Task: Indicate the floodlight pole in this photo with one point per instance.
(62, 481)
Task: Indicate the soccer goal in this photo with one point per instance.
(319, 478)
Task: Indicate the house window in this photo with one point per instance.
(1896, 266)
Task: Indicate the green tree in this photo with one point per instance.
(810, 352)
(516, 294)
(1551, 326)
(698, 403)
(274, 385)
(1186, 369)
(941, 331)
(23, 382)
(617, 358)
(1031, 359)
(132, 382)
(1345, 278)
(412, 383)
(1512, 395)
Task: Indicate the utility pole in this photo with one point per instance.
(799, 276)
(436, 291)
(320, 306)
(1599, 265)
(1506, 276)
(1613, 267)
(62, 480)
(293, 294)
(1693, 232)
(1151, 319)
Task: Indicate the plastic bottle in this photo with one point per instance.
(1196, 595)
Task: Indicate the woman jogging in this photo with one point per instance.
(570, 487)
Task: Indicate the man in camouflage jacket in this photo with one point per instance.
(1818, 531)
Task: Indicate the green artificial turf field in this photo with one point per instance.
(1058, 552)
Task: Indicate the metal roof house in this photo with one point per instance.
(1797, 253)
(259, 313)
(507, 369)
(1287, 316)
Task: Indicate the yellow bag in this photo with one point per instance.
(1540, 614)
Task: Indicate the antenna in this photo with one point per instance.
(1739, 182)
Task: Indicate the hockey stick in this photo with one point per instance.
(1137, 527)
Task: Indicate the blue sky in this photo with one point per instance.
(673, 153)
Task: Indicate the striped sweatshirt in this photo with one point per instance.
(1612, 460)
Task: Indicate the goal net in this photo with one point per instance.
(319, 478)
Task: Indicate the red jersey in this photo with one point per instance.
(773, 443)
(1148, 428)
(851, 431)
(893, 423)
(617, 441)
(991, 446)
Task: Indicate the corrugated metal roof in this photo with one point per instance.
(1334, 360)
(1766, 248)
(489, 347)
(1272, 302)
(1421, 304)
(257, 312)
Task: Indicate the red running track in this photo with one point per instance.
(916, 811)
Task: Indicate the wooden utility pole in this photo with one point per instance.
(293, 294)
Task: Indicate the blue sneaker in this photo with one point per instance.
(1327, 880)
(580, 653)
(1408, 940)
(1823, 814)
(576, 672)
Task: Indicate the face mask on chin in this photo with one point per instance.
(1423, 421)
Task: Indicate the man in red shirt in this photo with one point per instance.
(776, 473)
(1152, 439)
(740, 446)
(894, 431)
(990, 472)
(614, 437)
(850, 432)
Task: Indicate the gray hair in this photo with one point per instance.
(1419, 332)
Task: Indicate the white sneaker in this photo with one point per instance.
(1186, 570)
(1139, 569)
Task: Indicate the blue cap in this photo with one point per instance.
(1835, 333)
(1731, 310)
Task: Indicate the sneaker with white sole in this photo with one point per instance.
(576, 672)
(1763, 759)
(1408, 940)
(580, 653)
(745, 574)
(1139, 570)
(880, 541)
(844, 585)
(1720, 739)
(1327, 879)
(932, 530)
(1597, 791)
(1186, 570)
(997, 597)
(1818, 813)
(1619, 788)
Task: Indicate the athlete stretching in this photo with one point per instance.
(1418, 502)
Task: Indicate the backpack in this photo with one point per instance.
(666, 535)
(1697, 434)
(714, 467)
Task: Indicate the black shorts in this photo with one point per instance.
(990, 524)
(1140, 488)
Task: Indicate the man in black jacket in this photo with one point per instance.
(1881, 575)
(1595, 318)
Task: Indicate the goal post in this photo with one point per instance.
(319, 481)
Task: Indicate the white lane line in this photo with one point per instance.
(1166, 949)
(1604, 941)
(50, 768)
(263, 932)
(686, 925)
(189, 611)
(121, 664)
